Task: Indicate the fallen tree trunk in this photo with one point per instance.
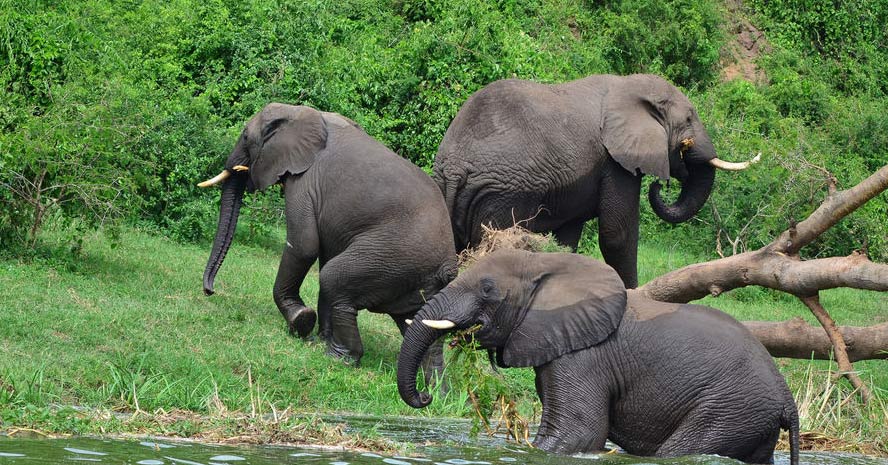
(779, 266)
(796, 339)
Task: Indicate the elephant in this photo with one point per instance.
(552, 157)
(657, 379)
(375, 222)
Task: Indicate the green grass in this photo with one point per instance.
(127, 328)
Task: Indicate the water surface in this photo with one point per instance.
(437, 441)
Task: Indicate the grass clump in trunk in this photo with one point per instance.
(499, 402)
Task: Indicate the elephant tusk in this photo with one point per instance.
(439, 324)
(730, 166)
(225, 174)
(408, 321)
(241, 168)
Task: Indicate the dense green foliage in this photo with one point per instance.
(113, 110)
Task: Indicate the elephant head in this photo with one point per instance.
(528, 308)
(277, 141)
(649, 125)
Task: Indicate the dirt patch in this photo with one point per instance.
(574, 28)
(817, 441)
(745, 45)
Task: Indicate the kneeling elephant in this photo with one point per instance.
(375, 222)
(656, 379)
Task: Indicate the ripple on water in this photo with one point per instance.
(465, 462)
(10, 454)
(149, 462)
(84, 451)
(156, 445)
(186, 462)
(227, 458)
(396, 462)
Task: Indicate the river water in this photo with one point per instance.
(437, 441)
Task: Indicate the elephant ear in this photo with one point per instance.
(633, 134)
(292, 137)
(578, 303)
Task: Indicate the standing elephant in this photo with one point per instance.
(559, 155)
(655, 378)
(376, 222)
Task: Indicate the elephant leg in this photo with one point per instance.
(400, 322)
(339, 283)
(569, 234)
(324, 312)
(345, 340)
(299, 255)
(618, 223)
(575, 412)
(710, 434)
(764, 453)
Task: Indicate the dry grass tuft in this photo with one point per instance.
(514, 237)
(232, 428)
(282, 429)
(833, 418)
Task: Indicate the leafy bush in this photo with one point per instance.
(129, 105)
(684, 48)
(844, 40)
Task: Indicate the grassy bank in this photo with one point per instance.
(127, 328)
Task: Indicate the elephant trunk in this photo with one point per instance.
(232, 197)
(417, 340)
(695, 190)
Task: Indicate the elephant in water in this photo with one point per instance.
(555, 156)
(655, 378)
(376, 223)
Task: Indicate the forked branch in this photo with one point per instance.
(778, 266)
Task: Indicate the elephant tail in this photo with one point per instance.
(451, 184)
(447, 272)
(790, 422)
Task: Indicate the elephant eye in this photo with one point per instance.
(488, 288)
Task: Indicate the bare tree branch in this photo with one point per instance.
(796, 339)
(778, 266)
(838, 343)
(770, 269)
(836, 206)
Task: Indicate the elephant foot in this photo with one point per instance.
(342, 353)
(315, 339)
(301, 322)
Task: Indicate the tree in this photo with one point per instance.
(779, 266)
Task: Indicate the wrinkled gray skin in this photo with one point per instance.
(376, 223)
(562, 154)
(657, 379)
